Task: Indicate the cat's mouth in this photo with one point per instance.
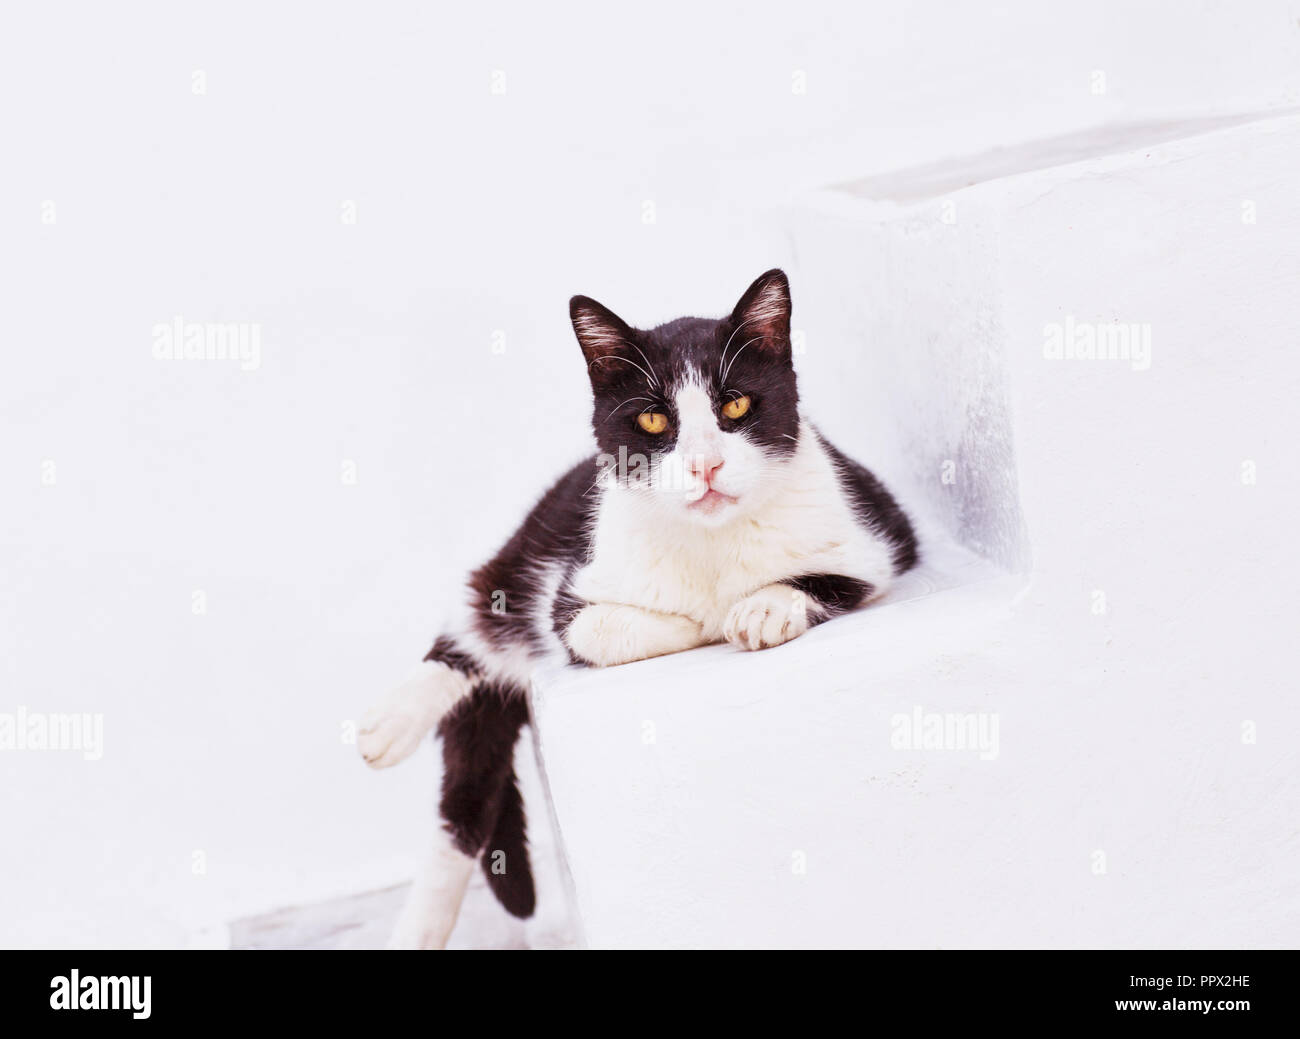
(711, 501)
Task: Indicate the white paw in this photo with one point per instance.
(769, 617)
(417, 934)
(606, 634)
(429, 913)
(392, 729)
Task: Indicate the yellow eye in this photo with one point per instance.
(652, 421)
(737, 408)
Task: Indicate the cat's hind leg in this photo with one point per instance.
(482, 819)
(433, 904)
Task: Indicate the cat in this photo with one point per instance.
(713, 512)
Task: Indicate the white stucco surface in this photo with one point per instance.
(1137, 660)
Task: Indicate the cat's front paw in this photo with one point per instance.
(769, 617)
(394, 727)
(607, 634)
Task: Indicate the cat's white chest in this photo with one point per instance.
(699, 577)
(638, 559)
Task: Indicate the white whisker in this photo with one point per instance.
(620, 357)
(737, 354)
(628, 401)
(653, 375)
(728, 342)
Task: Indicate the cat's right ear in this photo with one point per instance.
(603, 336)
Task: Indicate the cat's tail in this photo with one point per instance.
(481, 805)
(506, 863)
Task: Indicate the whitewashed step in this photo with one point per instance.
(1142, 787)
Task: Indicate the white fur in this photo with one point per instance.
(514, 664)
(700, 443)
(771, 304)
(771, 616)
(791, 518)
(431, 907)
(596, 334)
(394, 727)
(606, 634)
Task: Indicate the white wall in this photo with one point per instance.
(1139, 790)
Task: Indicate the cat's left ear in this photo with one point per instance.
(763, 315)
(603, 336)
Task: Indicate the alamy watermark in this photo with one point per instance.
(129, 992)
(181, 340)
(929, 730)
(1098, 341)
(24, 730)
(674, 471)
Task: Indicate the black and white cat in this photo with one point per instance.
(714, 512)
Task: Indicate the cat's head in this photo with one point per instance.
(698, 416)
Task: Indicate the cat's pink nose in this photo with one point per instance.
(704, 467)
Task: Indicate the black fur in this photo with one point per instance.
(445, 651)
(739, 354)
(834, 593)
(481, 806)
(875, 507)
(503, 589)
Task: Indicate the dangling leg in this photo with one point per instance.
(479, 801)
(430, 912)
